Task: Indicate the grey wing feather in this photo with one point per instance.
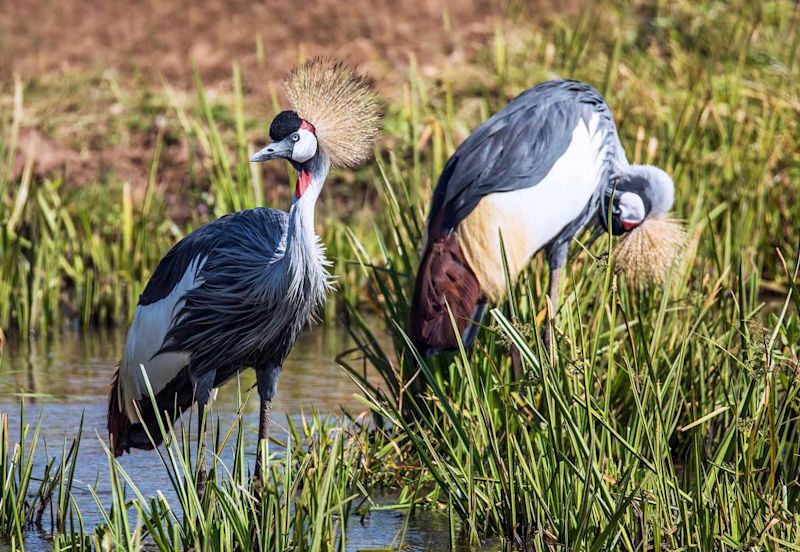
(515, 148)
(173, 265)
(236, 311)
(193, 262)
(213, 236)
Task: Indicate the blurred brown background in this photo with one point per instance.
(100, 78)
(163, 39)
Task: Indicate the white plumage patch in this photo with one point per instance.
(632, 208)
(306, 147)
(146, 337)
(530, 217)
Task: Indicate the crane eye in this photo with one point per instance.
(295, 137)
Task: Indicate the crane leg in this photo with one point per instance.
(552, 308)
(264, 426)
(201, 449)
(516, 364)
(203, 387)
(267, 381)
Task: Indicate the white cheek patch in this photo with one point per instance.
(306, 147)
(632, 208)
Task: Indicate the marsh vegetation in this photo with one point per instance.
(667, 419)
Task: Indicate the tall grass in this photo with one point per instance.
(78, 256)
(38, 499)
(304, 503)
(667, 418)
(708, 90)
(317, 476)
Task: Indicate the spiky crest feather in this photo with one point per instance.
(341, 104)
(647, 252)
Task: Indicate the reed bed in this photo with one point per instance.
(315, 481)
(668, 417)
(666, 420)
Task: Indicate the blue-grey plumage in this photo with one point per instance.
(237, 292)
(533, 174)
(517, 147)
(231, 295)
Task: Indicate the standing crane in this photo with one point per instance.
(528, 179)
(236, 292)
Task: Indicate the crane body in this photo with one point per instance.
(508, 214)
(528, 179)
(235, 293)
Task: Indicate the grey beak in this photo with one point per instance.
(274, 150)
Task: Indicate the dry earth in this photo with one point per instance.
(162, 39)
(152, 43)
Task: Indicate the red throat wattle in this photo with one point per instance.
(304, 179)
(303, 182)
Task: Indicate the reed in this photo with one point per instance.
(668, 416)
(667, 419)
(41, 500)
(316, 478)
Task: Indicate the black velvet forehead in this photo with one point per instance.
(283, 125)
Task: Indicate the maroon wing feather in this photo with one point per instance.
(444, 279)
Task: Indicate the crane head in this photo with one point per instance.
(653, 240)
(335, 113)
(640, 192)
(293, 138)
(628, 210)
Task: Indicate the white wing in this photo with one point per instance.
(529, 218)
(146, 336)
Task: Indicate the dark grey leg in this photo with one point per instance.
(267, 380)
(516, 363)
(472, 329)
(201, 450)
(556, 257)
(551, 314)
(202, 391)
(264, 425)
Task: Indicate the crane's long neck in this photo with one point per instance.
(311, 177)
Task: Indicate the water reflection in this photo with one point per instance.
(68, 376)
(77, 367)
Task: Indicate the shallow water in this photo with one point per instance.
(69, 375)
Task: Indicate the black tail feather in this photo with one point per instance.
(171, 401)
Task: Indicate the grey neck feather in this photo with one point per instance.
(660, 189)
(266, 299)
(301, 215)
(304, 262)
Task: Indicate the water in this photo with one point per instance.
(69, 375)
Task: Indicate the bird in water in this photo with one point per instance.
(236, 292)
(528, 179)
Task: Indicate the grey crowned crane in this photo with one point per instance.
(535, 173)
(236, 292)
